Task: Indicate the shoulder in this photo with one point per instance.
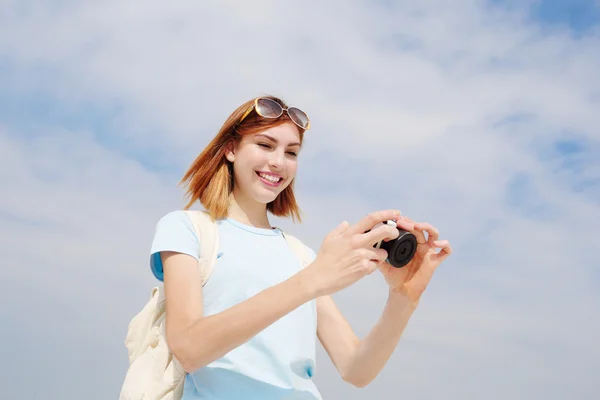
(172, 219)
(174, 227)
(174, 233)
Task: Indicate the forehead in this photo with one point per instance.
(286, 134)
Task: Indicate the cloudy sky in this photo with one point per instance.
(480, 117)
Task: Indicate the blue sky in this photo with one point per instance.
(578, 15)
(480, 118)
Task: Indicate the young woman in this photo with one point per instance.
(250, 332)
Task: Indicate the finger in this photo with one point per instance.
(368, 266)
(406, 223)
(411, 226)
(373, 219)
(442, 243)
(440, 256)
(340, 229)
(444, 252)
(372, 254)
(378, 255)
(433, 233)
(419, 235)
(372, 267)
(378, 234)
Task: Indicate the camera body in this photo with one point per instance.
(400, 250)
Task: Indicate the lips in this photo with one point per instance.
(269, 178)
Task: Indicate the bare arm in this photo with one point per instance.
(196, 340)
(360, 361)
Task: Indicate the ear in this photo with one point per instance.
(230, 151)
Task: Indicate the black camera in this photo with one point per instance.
(400, 250)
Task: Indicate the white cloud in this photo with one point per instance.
(429, 107)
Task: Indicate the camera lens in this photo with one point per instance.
(401, 250)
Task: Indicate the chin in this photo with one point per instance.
(264, 194)
(265, 199)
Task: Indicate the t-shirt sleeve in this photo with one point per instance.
(174, 232)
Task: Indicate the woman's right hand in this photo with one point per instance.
(347, 253)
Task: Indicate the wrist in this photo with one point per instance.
(305, 284)
(403, 300)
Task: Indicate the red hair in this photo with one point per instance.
(210, 177)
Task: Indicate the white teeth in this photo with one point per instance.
(269, 178)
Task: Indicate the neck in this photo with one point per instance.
(247, 211)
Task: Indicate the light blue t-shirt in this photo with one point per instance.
(279, 362)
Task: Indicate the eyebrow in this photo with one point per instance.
(271, 138)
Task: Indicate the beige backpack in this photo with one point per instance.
(154, 373)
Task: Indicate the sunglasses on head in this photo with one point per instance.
(268, 108)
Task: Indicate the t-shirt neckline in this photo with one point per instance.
(253, 229)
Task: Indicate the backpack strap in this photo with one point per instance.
(206, 230)
(299, 249)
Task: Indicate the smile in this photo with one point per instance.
(269, 179)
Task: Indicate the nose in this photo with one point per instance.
(277, 158)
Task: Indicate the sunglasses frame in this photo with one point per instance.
(254, 106)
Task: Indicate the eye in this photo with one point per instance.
(293, 153)
(265, 145)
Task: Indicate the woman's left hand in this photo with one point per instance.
(412, 279)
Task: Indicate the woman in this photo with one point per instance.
(251, 331)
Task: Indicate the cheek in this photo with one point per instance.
(240, 169)
(246, 159)
(292, 168)
(255, 156)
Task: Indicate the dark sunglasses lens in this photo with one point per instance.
(268, 108)
(298, 116)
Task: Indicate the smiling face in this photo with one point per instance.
(265, 163)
